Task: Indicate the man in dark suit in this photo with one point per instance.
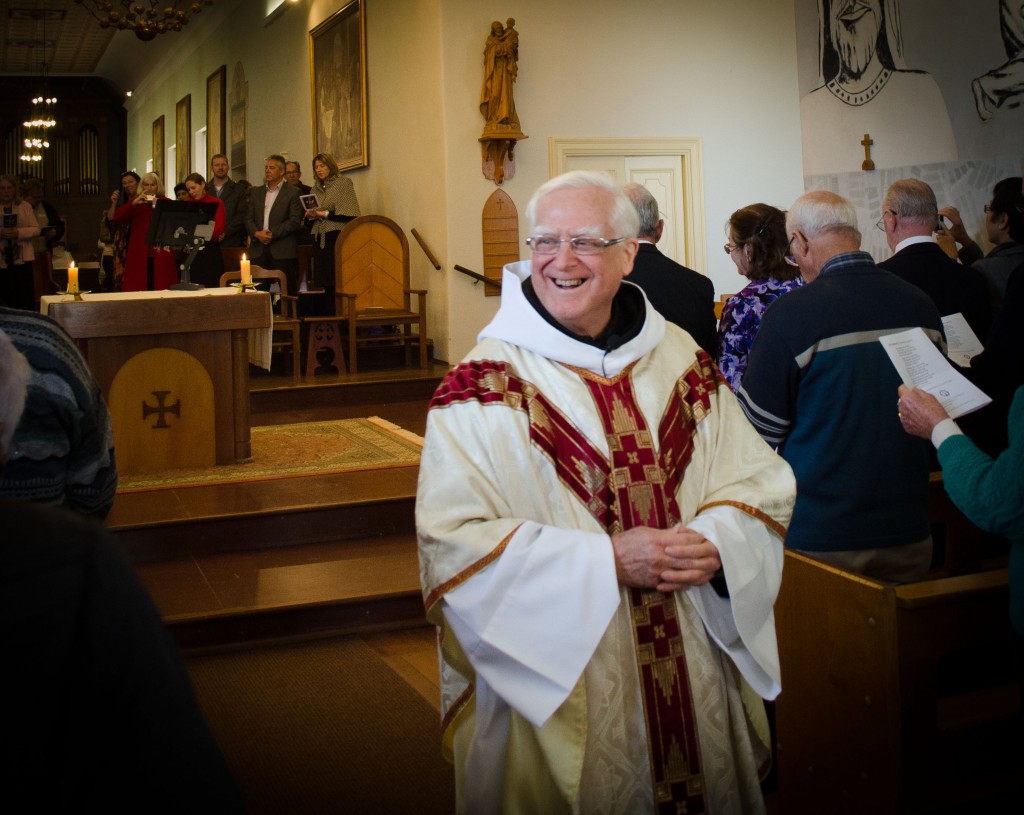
(910, 216)
(233, 196)
(293, 174)
(275, 215)
(683, 296)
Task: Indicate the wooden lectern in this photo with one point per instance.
(174, 369)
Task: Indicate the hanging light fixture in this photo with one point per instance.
(43, 105)
(146, 18)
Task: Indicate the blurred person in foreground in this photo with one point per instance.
(600, 535)
(63, 450)
(101, 715)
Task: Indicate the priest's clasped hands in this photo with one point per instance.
(664, 559)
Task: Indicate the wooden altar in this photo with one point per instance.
(174, 369)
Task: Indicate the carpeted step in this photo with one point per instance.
(299, 592)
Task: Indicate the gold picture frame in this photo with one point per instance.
(158, 147)
(337, 55)
(183, 136)
(216, 84)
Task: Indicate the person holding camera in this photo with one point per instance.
(146, 267)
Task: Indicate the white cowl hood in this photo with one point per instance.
(518, 323)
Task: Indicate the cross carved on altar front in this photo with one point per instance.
(867, 164)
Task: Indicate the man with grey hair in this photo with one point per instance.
(819, 387)
(683, 296)
(910, 216)
(600, 541)
(273, 220)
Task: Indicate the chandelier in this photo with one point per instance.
(43, 104)
(146, 18)
(37, 127)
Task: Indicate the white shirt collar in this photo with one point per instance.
(903, 244)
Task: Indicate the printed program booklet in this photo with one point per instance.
(921, 365)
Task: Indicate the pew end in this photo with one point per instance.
(896, 699)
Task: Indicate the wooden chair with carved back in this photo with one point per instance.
(373, 303)
(287, 329)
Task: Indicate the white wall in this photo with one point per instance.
(723, 71)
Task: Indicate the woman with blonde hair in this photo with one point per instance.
(17, 229)
(146, 267)
(336, 206)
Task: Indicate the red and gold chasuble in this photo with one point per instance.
(636, 486)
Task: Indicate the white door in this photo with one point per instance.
(670, 169)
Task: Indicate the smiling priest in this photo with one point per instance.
(600, 534)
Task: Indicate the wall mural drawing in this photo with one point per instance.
(866, 87)
(1005, 83)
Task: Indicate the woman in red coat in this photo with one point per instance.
(146, 267)
(208, 265)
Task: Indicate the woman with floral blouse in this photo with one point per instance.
(758, 246)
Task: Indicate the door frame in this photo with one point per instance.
(689, 150)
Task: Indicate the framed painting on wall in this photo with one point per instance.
(237, 157)
(183, 136)
(215, 115)
(337, 54)
(158, 148)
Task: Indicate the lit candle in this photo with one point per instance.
(246, 274)
(72, 278)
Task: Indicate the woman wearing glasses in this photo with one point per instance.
(758, 246)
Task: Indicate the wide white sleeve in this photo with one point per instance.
(531, 620)
(743, 624)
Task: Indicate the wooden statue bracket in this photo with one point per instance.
(497, 146)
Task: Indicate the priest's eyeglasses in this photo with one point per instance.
(549, 245)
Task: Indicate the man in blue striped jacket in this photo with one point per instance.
(819, 387)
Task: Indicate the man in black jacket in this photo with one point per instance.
(683, 296)
(910, 217)
(233, 196)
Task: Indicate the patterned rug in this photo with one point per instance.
(308, 448)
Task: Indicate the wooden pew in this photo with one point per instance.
(896, 699)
